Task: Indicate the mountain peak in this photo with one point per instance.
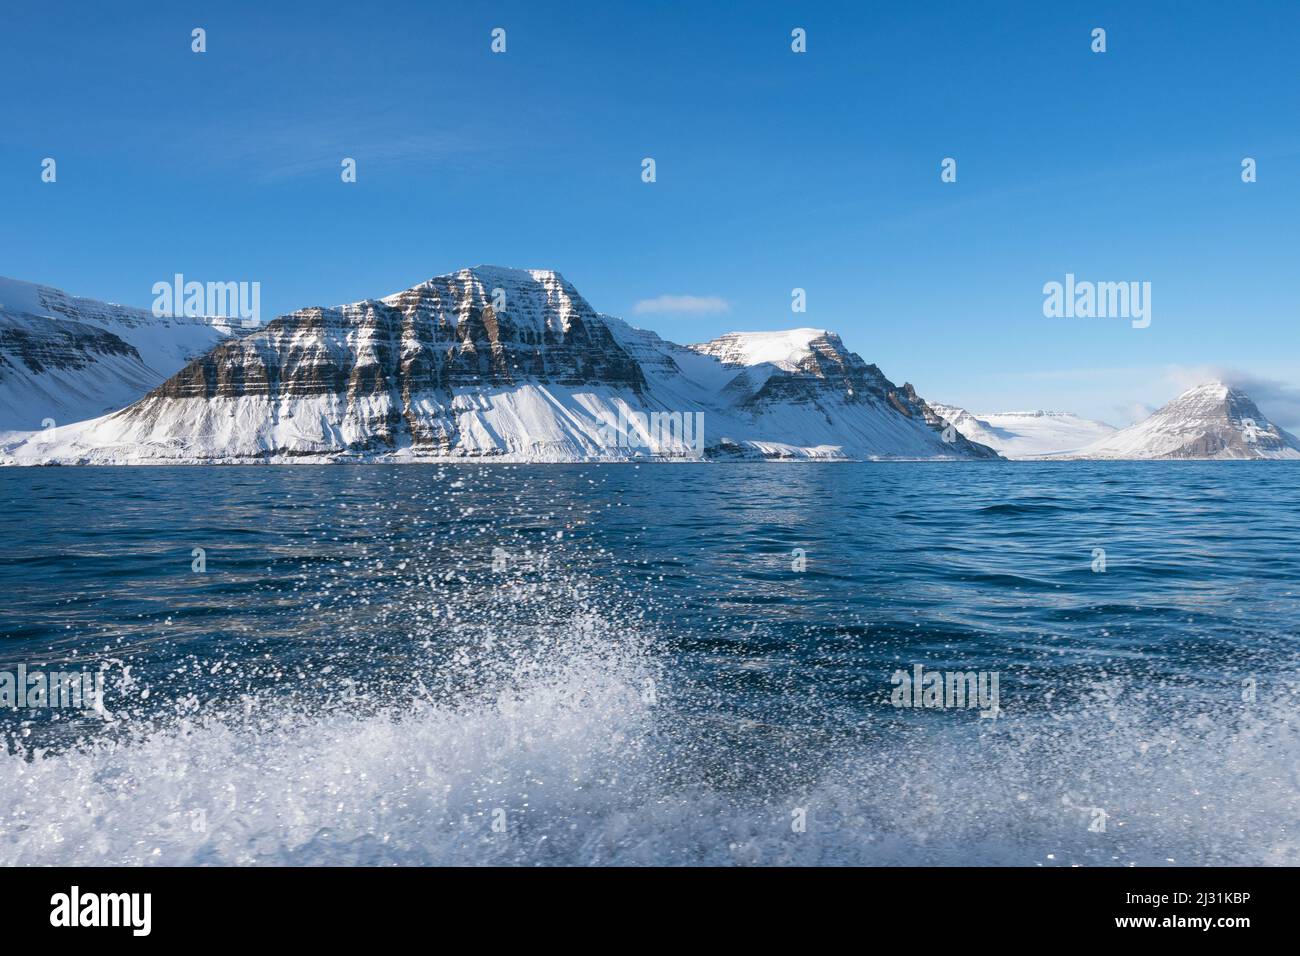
(785, 349)
(1217, 390)
(1212, 420)
(537, 299)
(487, 272)
(486, 278)
(502, 276)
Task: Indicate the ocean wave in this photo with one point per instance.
(586, 759)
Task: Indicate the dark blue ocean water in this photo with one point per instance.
(656, 664)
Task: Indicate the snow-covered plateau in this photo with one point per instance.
(1025, 434)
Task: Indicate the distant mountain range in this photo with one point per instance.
(1211, 421)
(502, 364)
(1026, 434)
(509, 365)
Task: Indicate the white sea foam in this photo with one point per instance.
(577, 764)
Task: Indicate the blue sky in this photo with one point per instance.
(775, 170)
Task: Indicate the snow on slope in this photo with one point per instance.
(66, 359)
(1026, 434)
(802, 389)
(437, 372)
(785, 349)
(968, 425)
(1211, 421)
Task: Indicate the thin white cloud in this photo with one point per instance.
(1279, 400)
(691, 304)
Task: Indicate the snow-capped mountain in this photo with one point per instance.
(513, 365)
(1209, 421)
(965, 423)
(1026, 434)
(64, 359)
(802, 393)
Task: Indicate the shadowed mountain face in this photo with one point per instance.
(42, 344)
(377, 357)
(65, 359)
(811, 369)
(815, 363)
(507, 363)
(438, 336)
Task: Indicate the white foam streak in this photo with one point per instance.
(578, 767)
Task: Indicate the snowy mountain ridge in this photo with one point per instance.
(507, 364)
(511, 365)
(64, 358)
